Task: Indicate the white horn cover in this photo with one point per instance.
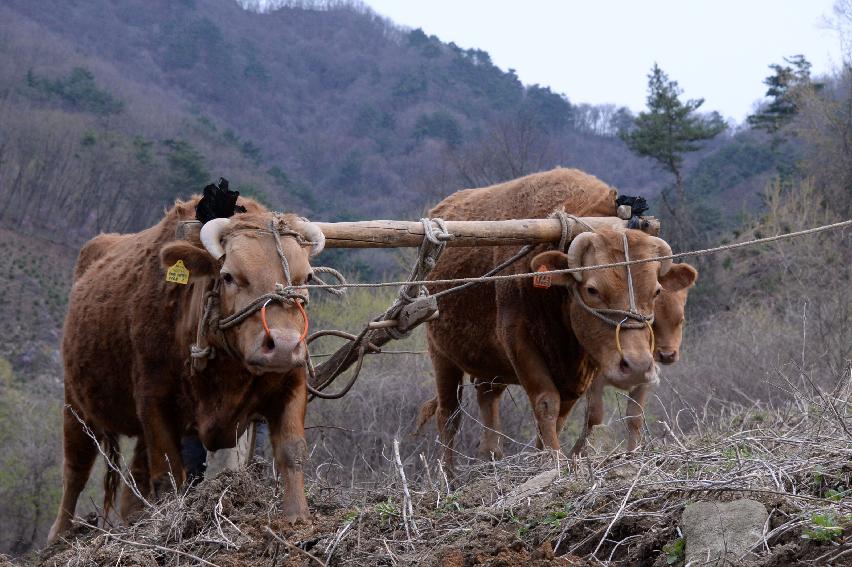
(313, 233)
(663, 249)
(211, 236)
(577, 250)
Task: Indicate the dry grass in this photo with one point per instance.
(607, 508)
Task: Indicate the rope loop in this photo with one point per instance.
(318, 281)
(567, 228)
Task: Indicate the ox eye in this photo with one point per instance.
(592, 290)
(228, 278)
(657, 293)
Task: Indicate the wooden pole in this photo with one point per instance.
(409, 234)
(402, 234)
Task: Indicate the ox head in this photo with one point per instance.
(241, 253)
(607, 289)
(669, 314)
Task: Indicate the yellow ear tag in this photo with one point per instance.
(545, 281)
(178, 274)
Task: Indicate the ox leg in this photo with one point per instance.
(565, 407)
(537, 382)
(80, 452)
(287, 434)
(448, 378)
(594, 414)
(488, 395)
(129, 505)
(636, 415)
(162, 438)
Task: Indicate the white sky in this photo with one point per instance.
(600, 51)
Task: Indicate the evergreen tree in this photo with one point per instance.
(785, 85)
(668, 130)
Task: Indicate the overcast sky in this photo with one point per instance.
(600, 51)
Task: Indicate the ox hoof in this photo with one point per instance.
(56, 530)
(489, 453)
(295, 518)
(553, 458)
(162, 487)
(579, 449)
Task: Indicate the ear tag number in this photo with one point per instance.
(178, 274)
(543, 282)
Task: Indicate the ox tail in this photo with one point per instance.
(112, 478)
(427, 411)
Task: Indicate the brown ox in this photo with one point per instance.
(127, 341)
(668, 334)
(577, 193)
(543, 339)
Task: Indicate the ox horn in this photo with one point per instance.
(579, 245)
(211, 236)
(312, 232)
(663, 249)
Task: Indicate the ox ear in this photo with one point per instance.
(552, 260)
(197, 260)
(679, 276)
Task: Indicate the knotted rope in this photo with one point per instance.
(434, 242)
(567, 229)
(433, 245)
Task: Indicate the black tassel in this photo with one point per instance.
(637, 204)
(218, 202)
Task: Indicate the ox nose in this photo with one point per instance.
(278, 351)
(637, 365)
(666, 356)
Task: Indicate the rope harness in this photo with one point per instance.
(630, 319)
(413, 306)
(414, 300)
(211, 321)
(413, 291)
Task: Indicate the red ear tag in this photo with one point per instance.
(543, 282)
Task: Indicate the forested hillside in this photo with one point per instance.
(322, 111)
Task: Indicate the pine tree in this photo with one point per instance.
(785, 86)
(668, 130)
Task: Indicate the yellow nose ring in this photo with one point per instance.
(618, 336)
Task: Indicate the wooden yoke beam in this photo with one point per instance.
(409, 234)
(404, 234)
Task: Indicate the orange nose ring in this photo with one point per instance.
(618, 336)
(305, 317)
(266, 325)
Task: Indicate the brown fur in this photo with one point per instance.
(126, 347)
(510, 332)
